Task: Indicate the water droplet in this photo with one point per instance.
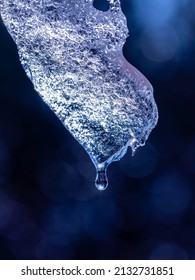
(101, 181)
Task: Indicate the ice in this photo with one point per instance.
(72, 53)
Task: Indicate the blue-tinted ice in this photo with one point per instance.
(72, 53)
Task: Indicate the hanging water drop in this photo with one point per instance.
(101, 181)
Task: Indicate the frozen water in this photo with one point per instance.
(72, 53)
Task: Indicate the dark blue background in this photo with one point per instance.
(49, 206)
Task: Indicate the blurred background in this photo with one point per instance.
(49, 206)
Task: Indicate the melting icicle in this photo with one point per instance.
(72, 53)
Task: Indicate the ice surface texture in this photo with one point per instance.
(72, 53)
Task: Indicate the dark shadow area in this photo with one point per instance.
(102, 5)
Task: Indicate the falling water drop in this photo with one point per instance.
(101, 181)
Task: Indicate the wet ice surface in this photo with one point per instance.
(72, 53)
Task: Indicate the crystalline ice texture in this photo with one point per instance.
(72, 53)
